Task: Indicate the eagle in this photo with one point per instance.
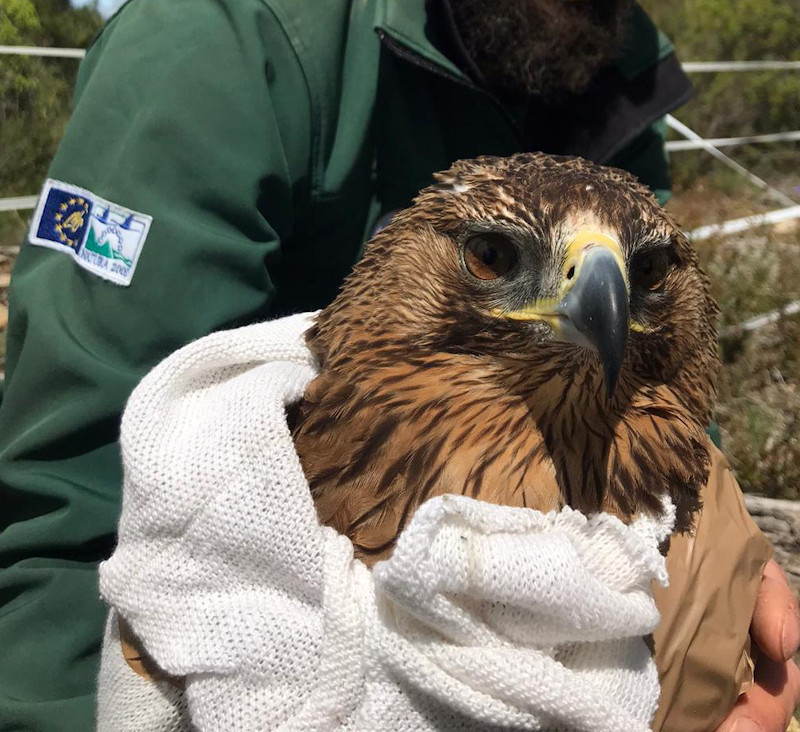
(533, 331)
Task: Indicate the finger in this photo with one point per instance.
(776, 620)
(768, 706)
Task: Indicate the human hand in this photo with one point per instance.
(775, 630)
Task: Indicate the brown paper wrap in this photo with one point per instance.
(702, 644)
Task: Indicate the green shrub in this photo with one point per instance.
(35, 94)
(731, 104)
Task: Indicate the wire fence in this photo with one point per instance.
(42, 51)
(706, 67)
(679, 145)
(18, 203)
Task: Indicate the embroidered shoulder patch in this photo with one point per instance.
(99, 235)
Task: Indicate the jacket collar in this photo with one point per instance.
(406, 22)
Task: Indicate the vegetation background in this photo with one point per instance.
(35, 94)
(755, 272)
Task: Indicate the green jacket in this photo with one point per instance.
(264, 138)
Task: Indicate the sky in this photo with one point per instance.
(106, 7)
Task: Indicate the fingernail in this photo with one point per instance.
(745, 724)
(790, 635)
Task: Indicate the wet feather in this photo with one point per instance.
(425, 390)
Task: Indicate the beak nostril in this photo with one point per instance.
(571, 272)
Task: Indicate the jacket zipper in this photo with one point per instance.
(415, 59)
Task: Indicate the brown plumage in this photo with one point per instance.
(445, 367)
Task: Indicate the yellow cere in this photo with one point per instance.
(583, 240)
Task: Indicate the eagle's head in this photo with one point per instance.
(561, 283)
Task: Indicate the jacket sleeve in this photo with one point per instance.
(174, 118)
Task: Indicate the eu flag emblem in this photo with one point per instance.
(64, 218)
(100, 236)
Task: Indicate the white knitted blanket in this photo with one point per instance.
(485, 617)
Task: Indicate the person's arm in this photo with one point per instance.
(181, 115)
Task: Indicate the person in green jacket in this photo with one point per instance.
(225, 162)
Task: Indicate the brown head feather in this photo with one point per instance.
(425, 390)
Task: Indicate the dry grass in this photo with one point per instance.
(759, 396)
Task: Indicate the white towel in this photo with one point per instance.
(485, 616)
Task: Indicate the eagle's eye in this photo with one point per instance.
(649, 269)
(489, 256)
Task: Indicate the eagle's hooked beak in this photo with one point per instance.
(592, 308)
